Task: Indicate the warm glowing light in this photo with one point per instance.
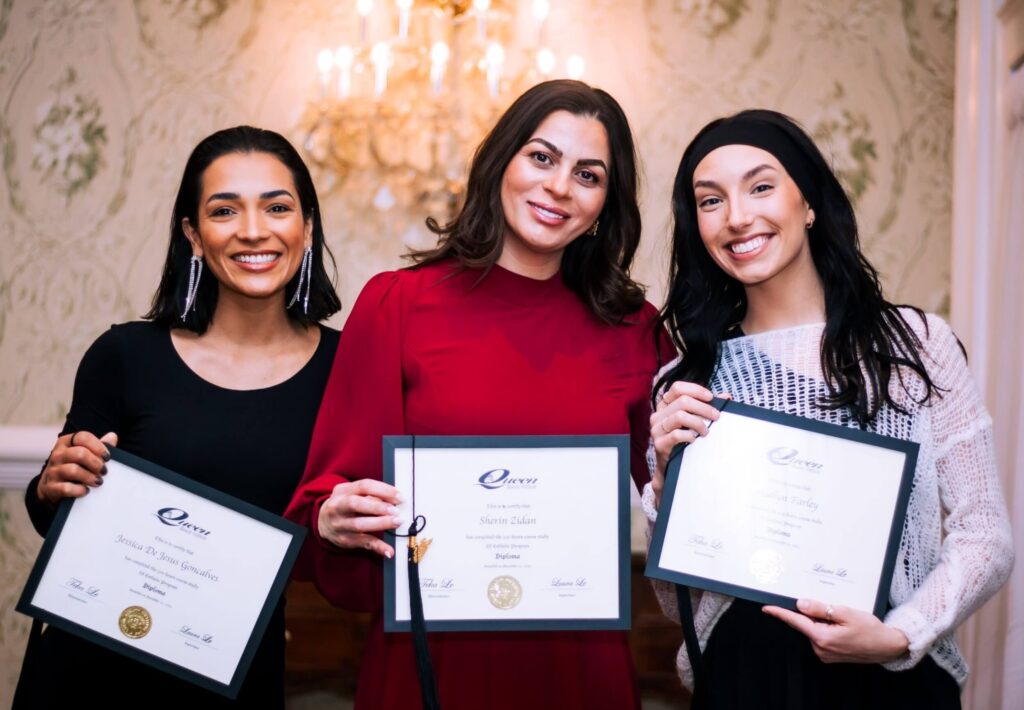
(438, 62)
(380, 55)
(575, 66)
(545, 61)
(448, 56)
(325, 60)
(439, 53)
(344, 56)
(495, 55)
(404, 6)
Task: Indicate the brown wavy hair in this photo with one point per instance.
(595, 268)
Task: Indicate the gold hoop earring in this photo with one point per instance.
(592, 232)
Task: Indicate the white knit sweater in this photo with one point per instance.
(956, 549)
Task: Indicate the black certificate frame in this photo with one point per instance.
(908, 448)
(229, 690)
(620, 442)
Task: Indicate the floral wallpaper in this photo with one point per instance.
(101, 101)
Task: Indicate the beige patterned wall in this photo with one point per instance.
(101, 100)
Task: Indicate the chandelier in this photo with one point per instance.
(403, 103)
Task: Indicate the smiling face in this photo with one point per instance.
(250, 231)
(751, 216)
(552, 192)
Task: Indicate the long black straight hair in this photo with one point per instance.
(170, 294)
(866, 338)
(595, 267)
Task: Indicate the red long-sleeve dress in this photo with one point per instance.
(439, 351)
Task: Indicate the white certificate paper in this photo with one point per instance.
(526, 532)
(182, 579)
(772, 508)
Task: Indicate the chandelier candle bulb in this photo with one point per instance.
(364, 8)
(541, 9)
(545, 62)
(324, 62)
(438, 62)
(380, 55)
(404, 8)
(495, 60)
(343, 58)
(481, 7)
(575, 66)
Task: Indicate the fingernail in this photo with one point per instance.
(396, 521)
(106, 455)
(103, 470)
(392, 510)
(399, 498)
(389, 554)
(802, 604)
(99, 481)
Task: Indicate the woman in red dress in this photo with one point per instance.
(523, 320)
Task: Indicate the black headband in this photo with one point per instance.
(747, 130)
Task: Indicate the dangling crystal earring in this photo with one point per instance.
(195, 272)
(305, 278)
(592, 232)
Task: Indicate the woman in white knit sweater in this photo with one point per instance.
(773, 303)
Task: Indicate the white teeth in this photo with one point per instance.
(549, 213)
(749, 246)
(255, 258)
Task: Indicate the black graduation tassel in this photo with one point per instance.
(424, 666)
(700, 682)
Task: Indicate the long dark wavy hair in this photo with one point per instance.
(169, 298)
(866, 339)
(596, 268)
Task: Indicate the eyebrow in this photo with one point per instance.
(586, 162)
(263, 195)
(746, 176)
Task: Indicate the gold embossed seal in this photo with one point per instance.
(135, 622)
(504, 592)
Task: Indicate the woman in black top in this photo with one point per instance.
(222, 385)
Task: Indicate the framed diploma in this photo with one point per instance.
(772, 507)
(165, 570)
(527, 532)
